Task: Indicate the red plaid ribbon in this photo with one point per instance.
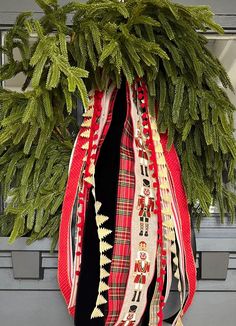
(121, 250)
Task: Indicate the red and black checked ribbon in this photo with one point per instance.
(121, 248)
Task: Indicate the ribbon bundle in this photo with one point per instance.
(125, 232)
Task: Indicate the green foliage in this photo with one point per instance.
(107, 41)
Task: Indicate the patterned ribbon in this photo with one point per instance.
(152, 227)
(80, 180)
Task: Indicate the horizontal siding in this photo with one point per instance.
(28, 302)
(216, 244)
(49, 281)
(208, 309)
(7, 281)
(213, 221)
(28, 295)
(212, 309)
(215, 236)
(232, 261)
(228, 285)
(225, 10)
(33, 308)
(218, 6)
(23, 5)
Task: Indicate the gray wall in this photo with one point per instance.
(225, 11)
(26, 302)
(218, 6)
(30, 302)
(10, 8)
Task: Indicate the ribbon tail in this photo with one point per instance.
(65, 260)
(173, 163)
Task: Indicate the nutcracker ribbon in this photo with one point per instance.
(125, 230)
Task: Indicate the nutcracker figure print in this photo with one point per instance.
(141, 269)
(130, 317)
(145, 206)
(142, 151)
